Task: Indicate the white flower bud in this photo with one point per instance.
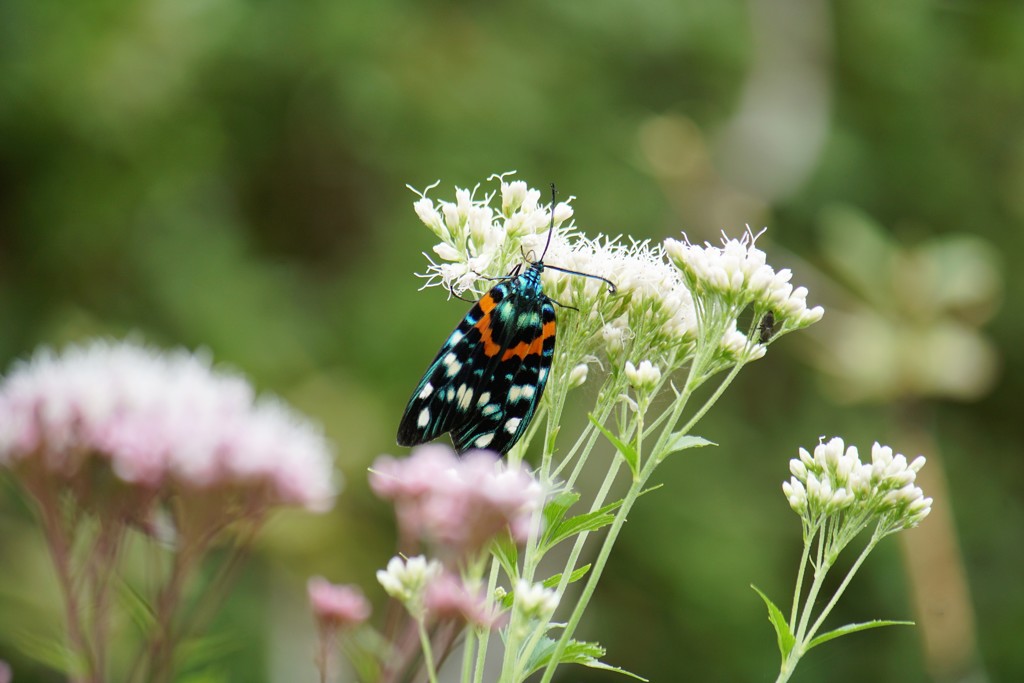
(428, 214)
(512, 196)
(534, 600)
(563, 212)
(578, 375)
(797, 467)
(447, 252)
(644, 378)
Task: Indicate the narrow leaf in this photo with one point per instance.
(136, 606)
(576, 652)
(782, 630)
(507, 554)
(680, 442)
(51, 652)
(853, 628)
(588, 521)
(553, 581)
(200, 651)
(555, 509)
(629, 453)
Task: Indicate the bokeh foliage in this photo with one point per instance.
(230, 174)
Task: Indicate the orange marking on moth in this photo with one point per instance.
(522, 349)
(487, 305)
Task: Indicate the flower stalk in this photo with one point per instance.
(838, 497)
(117, 442)
(675, 312)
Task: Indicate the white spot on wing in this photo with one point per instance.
(451, 364)
(484, 441)
(423, 419)
(428, 389)
(465, 397)
(484, 399)
(512, 425)
(521, 391)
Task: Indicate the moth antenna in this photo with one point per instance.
(551, 228)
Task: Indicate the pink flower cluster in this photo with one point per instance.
(447, 597)
(337, 605)
(457, 504)
(160, 421)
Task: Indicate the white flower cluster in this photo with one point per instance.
(643, 378)
(834, 480)
(739, 271)
(406, 580)
(160, 421)
(667, 299)
(477, 241)
(534, 600)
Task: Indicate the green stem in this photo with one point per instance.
(820, 571)
(842, 587)
(788, 667)
(468, 648)
(634, 492)
(481, 654)
(428, 653)
(804, 556)
(719, 390)
(596, 571)
(59, 545)
(570, 566)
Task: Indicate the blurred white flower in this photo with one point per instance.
(406, 580)
(534, 600)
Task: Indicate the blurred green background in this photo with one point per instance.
(231, 174)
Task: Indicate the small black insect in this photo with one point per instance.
(766, 328)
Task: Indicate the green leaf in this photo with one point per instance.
(576, 652)
(853, 628)
(680, 442)
(629, 453)
(49, 651)
(204, 676)
(782, 630)
(507, 554)
(136, 606)
(204, 650)
(553, 581)
(589, 521)
(555, 509)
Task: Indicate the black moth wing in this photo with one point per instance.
(516, 384)
(446, 396)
